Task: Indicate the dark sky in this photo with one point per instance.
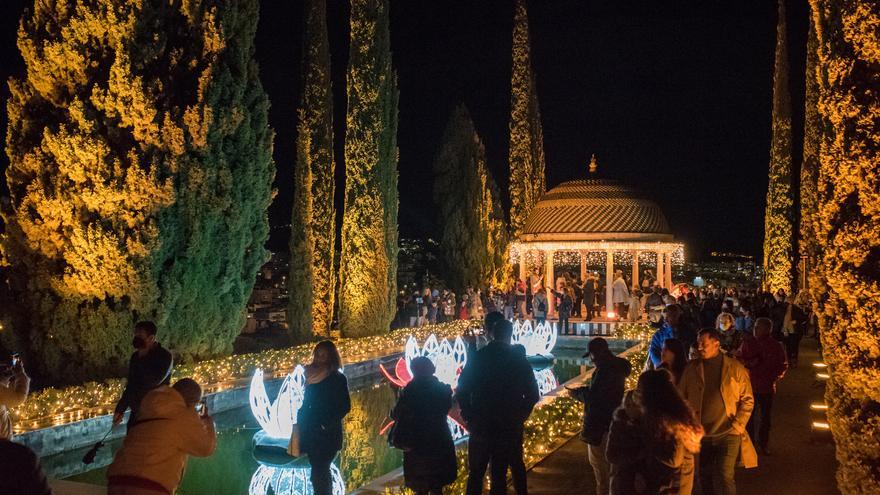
(673, 97)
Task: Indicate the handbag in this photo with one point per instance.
(293, 445)
(400, 436)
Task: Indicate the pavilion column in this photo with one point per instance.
(661, 269)
(635, 279)
(669, 270)
(522, 264)
(549, 283)
(583, 255)
(609, 281)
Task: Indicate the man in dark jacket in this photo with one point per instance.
(764, 357)
(496, 393)
(20, 470)
(149, 367)
(601, 398)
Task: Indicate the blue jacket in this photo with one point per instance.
(656, 347)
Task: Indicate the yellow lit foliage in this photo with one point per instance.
(526, 154)
(368, 263)
(778, 230)
(846, 225)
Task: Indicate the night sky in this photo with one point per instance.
(673, 98)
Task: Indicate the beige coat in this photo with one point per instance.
(736, 392)
(166, 432)
(11, 396)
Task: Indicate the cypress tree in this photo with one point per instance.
(778, 230)
(526, 152)
(313, 235)
(140, 175)
(473, 236)
(368, 266)
(810, 162)
(845, 224)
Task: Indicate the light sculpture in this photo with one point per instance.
(539, 340)
(547, 381)
(449, 360)
(290, 480)
(277, 418)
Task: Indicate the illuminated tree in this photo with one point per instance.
(846, 222)
(313, 231)
(140, 176)
(778, 230)
(526, 153)
(368, 266)
(810, 163)
(473, 236)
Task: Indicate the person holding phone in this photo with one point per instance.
(173, 424)
(14, 387)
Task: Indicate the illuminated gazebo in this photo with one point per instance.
(583, 219)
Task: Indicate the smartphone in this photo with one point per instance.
(202, 407)
(14, 359)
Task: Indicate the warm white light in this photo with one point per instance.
(822, 376)
(538, 340)
(290, 480)
(449, 359)
(821, 425)
(611, 314)
(819, 364)
(277, 418)
(819, 407)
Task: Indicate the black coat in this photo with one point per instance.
(144, 374)
(497, 391)
(602, 397)
(423, 405)
(320, 418)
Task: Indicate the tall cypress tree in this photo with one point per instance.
(312, 247)
(778, 219)
(473, 234)
(368, 266)
(140, 177)
(526, 152)
(846, 221)
(810, 162)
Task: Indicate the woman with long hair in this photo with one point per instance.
(674, 433)
(325, 403)
(673, 358)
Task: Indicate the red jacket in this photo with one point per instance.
(765, 359)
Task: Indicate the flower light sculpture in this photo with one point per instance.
(539, 340)
(290, 480)
(449, 360)
(277, 418)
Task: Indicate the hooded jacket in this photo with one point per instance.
(602, 397)
(166, 432)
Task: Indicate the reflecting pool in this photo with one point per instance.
(366, 455)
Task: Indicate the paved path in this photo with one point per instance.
(797, 466)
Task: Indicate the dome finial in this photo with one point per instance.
(593, 164)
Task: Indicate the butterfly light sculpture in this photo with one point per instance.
(277, 418)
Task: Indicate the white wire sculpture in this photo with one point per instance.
(547, 381)
(277, 418)
(290, 480)
(538, 339)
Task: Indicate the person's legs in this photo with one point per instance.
(766, 408)
(322, 483)
(518, 468)
(596, 456)
(708, 456)
(726, 463)
(503, 450)
(563, 324)
(478, 460)
(796, 345)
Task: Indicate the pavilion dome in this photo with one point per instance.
(595, 210)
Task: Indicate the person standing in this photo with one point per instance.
(764, 357)
(719, 390)
(619, 295)
(578, 288)
(325, 403)
(14, 387)
(539, 306)
(674, 358)
(429, 463)
(155, 450)
(673, 326)
(149, 367)
(590, 296)
(731, 338)
(564, 309)
(496, 392)
(792, 330)
(600, 399)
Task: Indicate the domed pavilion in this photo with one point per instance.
(587, 217)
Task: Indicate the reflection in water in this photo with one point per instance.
(547, 381)
(290, 480)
